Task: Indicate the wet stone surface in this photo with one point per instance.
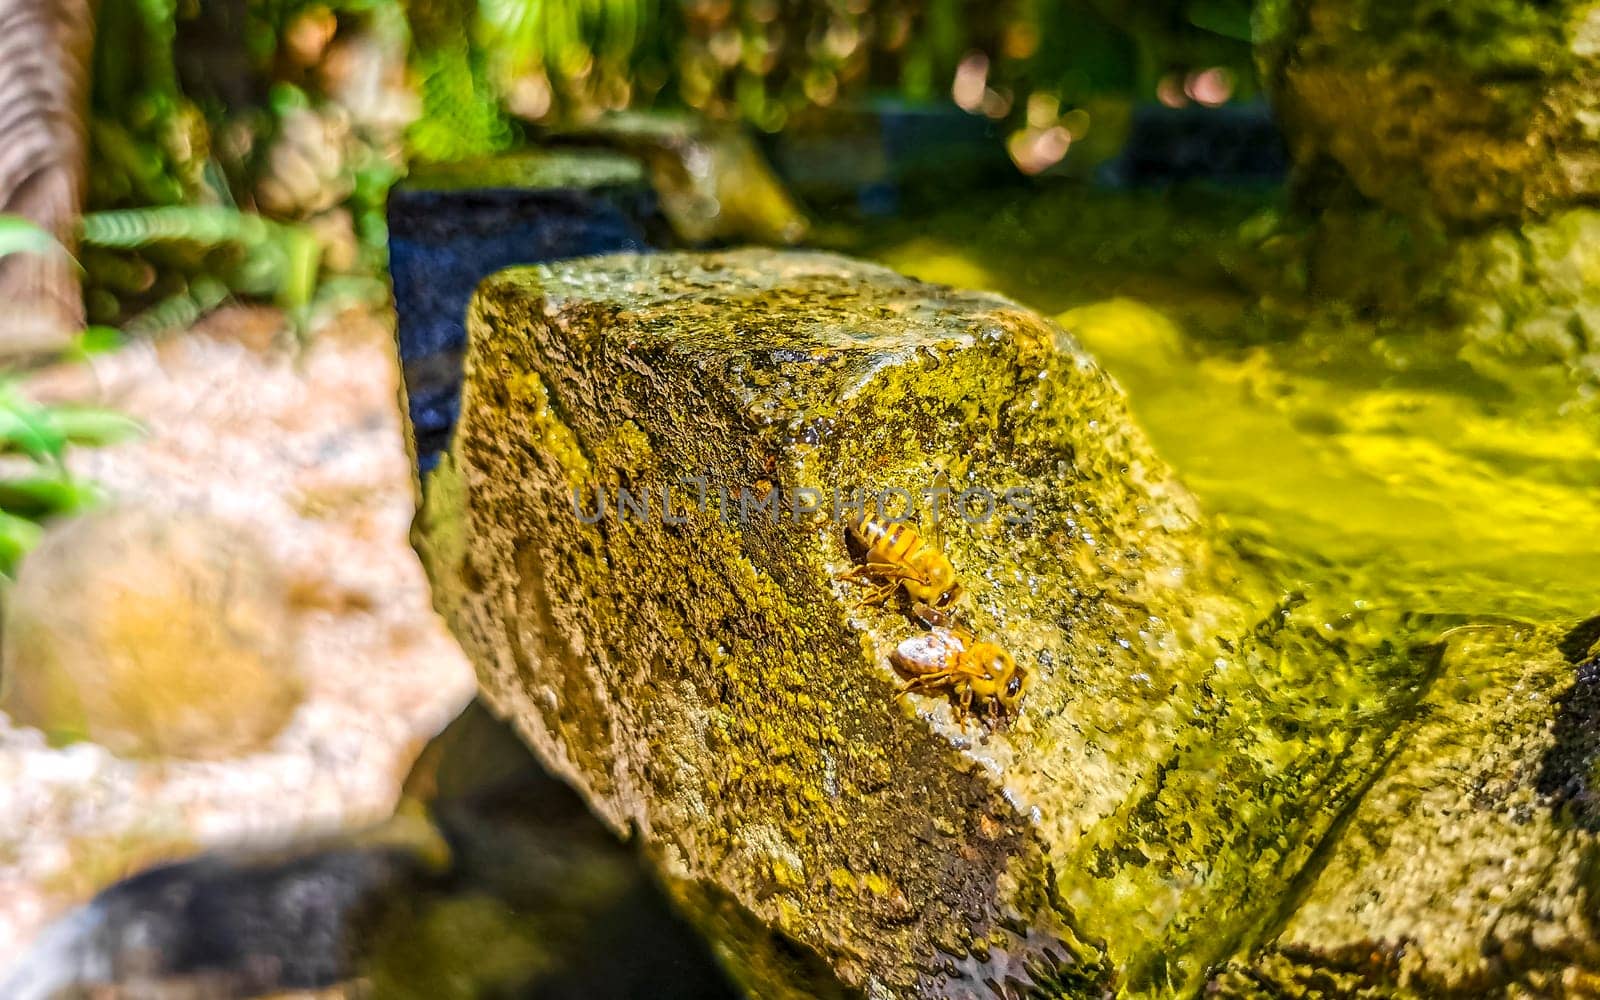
(1466, 869)
(1192, 732)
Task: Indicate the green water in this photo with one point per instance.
(1376, 457)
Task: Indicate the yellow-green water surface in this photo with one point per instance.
(1379, 457)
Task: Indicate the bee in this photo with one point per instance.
(950, 660)
(895, 555)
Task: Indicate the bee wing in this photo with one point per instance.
(941, 481)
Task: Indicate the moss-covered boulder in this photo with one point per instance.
(1472, 110)
(699, 673)
(713, 181)
(1468, 868)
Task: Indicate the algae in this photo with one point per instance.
(1455, 876)
(535, 168)
(1473, 111)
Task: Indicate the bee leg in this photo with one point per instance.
(877, 596)
(891, 571)
(924, 683)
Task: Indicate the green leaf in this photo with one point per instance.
(40, 496)
(43, 432)
(18, 235)
(89, 426)
(96, 340)
(17, 536)
(28, 429)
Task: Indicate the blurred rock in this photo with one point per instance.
(1519, 296)
(1473, 112)
(231, 924)
(1447, 157)
(152, 634)
(1531, 295)
(299, 448)
(713, 182)
(335, 231)
(308, 164)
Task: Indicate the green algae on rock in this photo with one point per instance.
(705, 681)
(1473, 111)
(1471, 130)
(713, 182)
(534, 168)
(1467, 870)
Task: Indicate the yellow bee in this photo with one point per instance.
(895, 555)
(950, 660)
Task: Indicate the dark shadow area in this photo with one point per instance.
(537, 900)
(1567, 774)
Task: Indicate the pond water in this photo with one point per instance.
(1374, 457)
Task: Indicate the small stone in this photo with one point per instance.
(151, 634)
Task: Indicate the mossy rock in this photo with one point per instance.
(713, 181)
(1468, 868)
(709, 685)
(1473, 111)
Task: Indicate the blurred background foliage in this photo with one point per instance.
(303, 112)
(35, 484)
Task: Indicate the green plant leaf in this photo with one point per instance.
(43, 432)
(18, 235)
(90, 426)
(26, 428)
(17, 536)
(45, 495)
(94, 341)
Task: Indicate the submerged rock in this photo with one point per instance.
(151, 634)
(687, 658)
(1468, 867)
